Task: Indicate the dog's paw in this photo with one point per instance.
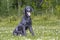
(14, 33)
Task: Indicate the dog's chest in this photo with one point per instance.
(28, 21)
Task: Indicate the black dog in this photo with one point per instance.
(25, 24)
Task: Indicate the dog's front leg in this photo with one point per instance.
(31, 30)
(24, 31)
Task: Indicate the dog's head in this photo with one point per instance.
(28, 10)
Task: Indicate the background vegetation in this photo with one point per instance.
(45, 19)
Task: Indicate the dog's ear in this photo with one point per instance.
(24, 10)
(31, 9)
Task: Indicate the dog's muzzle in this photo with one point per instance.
(28, 13)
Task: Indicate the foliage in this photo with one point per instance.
(12, 7)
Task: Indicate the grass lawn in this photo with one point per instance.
(43, 29)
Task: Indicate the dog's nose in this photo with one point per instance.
(28, 13)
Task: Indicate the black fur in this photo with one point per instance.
(25, 24)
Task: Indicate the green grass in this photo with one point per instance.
(44, 28)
